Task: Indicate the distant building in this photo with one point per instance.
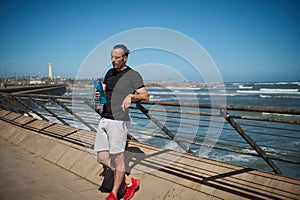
(36, 82)
(50, 70)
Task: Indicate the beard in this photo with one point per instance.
(118, 66)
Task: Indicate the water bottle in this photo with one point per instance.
(99, 88)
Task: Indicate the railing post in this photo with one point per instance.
(22, 110)
(92, 107)
(49, 111)
(4, 105)
(29, 108)
(251, 142)
(145, 111)
(74, 114)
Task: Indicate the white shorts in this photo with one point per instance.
(111, 136)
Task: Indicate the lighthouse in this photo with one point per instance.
(50, 70)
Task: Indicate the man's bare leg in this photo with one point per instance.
(118, 160)
(103, 157)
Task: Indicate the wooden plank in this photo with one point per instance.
(59, 129)
(87, 138)
(11, 116)
(39, 125)
(22, 120)
(4, 112)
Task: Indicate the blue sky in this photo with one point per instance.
(249, 40)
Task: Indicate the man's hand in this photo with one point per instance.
(126, 102)
(97, 94)
(141, 94)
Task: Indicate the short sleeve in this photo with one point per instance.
(137, 80)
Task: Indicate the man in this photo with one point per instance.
(122, 85)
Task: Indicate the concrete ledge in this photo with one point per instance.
(164, 174)
(25, 176)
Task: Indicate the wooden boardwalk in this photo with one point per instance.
(164, 174)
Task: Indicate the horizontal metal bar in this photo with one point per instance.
(229, 107)
(187, 105)
(286, 121)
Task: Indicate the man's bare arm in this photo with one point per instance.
(141, 94)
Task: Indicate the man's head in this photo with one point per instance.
(119, 55)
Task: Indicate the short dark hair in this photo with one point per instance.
(123, 47)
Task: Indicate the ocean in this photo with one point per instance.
(213, 137)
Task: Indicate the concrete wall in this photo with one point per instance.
(36, 89)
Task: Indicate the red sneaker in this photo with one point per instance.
(131, 189)
(111, 196)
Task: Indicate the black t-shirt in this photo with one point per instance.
(118, 85)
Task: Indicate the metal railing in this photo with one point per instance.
(186, 126)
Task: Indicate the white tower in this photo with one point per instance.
(50, 70)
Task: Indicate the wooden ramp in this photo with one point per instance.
(164, 174)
